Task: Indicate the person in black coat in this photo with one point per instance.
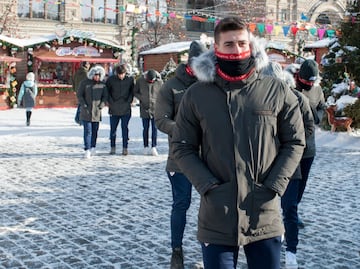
(120, 88)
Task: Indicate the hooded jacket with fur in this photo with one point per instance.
(250, 136)
(92, 95)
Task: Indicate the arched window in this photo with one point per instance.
(39, 9)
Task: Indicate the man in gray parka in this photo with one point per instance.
(249, 131)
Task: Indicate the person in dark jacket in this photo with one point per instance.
(92, 96)
(307, 82)
(27, 95)
(289, 201)
(79, 76)
(166, 108)
(146, 90)
(120, 95)
(251, 135)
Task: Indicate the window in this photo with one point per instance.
(101, 11)
(38, 9)
(86, 10)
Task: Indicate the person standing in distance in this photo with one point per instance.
(238, 138)
(79, 76)
(92, 96)
(120, 88)
(146, 90)
(27, 95)
(166, 108)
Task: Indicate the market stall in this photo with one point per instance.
(54, 59)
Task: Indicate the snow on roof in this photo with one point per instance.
(323, 43)
(174, 47)
(28, 42)
(275, 45)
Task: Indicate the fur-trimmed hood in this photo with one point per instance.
(203, 66)
(95, 70)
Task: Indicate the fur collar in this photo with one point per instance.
(203, 66)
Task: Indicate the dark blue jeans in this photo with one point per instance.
(181, 192)
(146, 125)
(264, 254)
(90, 134)
(305, 165)
(289, 205)
(114, 122)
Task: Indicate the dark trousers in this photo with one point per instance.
(90, 134)
(114, 122)
(264, 254)
(305, 165)
(181, 193)
(146, 125)
(289, 205)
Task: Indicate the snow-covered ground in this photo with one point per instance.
(59, 210)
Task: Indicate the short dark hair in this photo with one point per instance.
(229, 24)
(120, 69)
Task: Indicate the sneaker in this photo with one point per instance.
(290, 260)
(125, 151)
(93, 151)
(154, 152)
(177, 259)
(112, 151)
(87, 154)
(146, 151)
(300, 224)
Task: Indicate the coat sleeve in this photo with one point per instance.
(136, 89)
(291, 136)
(21, 94)
(131, 91)
(108, 89)
(185, 147)
(80, 93)
(104, 98)
(165, 110)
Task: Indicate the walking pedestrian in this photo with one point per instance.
(92, 96)
(289, 201)
(27, 95)
(306, 81)
(166, 108)
(146, 90)
(79, 76)
(121, 93)
(250, 132)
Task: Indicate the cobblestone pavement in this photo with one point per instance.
(61, 211)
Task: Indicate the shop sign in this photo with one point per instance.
(82, 50)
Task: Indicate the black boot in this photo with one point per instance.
(177, 259)
(28, 116)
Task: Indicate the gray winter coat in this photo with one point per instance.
(147, 93)
(251, 137)
(120, 95)
(167, 105)
(92, 96)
